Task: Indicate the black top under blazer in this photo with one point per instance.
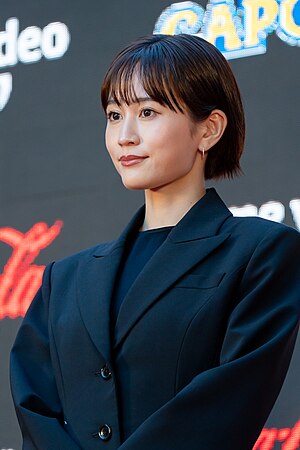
(201, 347)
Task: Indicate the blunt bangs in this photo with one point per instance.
(186, 74)
(151, 66)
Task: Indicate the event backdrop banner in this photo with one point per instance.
(59, 191)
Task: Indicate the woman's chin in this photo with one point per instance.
(134, 184)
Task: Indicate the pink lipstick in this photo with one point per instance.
(130, 160)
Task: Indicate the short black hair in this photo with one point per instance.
(185, 73)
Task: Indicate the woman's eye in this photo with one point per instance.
(113, 116)
(147, 112)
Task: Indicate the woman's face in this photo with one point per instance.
(150, 145)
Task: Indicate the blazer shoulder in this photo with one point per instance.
(69, 263)
(257, 229)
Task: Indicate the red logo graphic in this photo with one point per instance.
(21, 279)
(289, 437)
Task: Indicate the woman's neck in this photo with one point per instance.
(166, 206)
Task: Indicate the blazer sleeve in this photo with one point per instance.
(226, 407)
(33, 385)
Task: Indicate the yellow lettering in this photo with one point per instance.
(190, 17)
(256, 24)
(219, 23)
(286, 19)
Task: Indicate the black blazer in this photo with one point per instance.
(200, 350)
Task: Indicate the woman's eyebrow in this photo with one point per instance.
(138, 100)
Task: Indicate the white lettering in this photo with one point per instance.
(28, 45)
(295, 210)
(244, 211)
(32, 43)
(272, 211)
(5, 88)
(55, 40)
(8, 43)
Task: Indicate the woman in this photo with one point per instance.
(178, 334)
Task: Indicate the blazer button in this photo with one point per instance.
(105, 432)
(105, 372)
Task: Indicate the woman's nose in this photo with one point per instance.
(128, 134)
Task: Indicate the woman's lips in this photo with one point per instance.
(130, 160)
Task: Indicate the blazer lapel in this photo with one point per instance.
(190, 241)
(95, 282)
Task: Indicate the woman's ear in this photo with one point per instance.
(214, 127)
